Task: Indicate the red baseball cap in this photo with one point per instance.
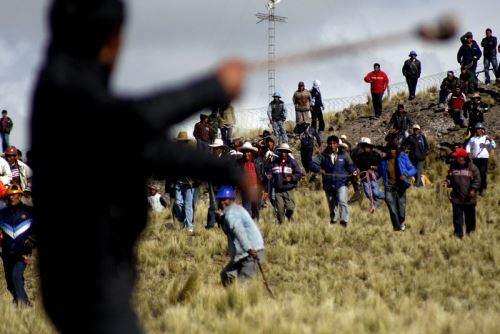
(460, 152)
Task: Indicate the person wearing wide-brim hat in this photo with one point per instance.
(182, 136)
(411, 70)
(253, 168)
(474, 110)
(479, 147)
(220, 152)
(286, 174)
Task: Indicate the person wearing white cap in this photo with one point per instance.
(253, 170)
(286, 174)
(219, 151)
(317, 107)
(156, 201)
(479, 147)
(367, 162)
(419, 149)
(276, 112)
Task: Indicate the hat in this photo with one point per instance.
(226, 192)
(416, 126)
(468, 35)
(152, 186)
(217, 143)
(284, 147)
(412, 53)
(14, 189)
(366, 141)
(301, 83)
(316, 83)
(400, 105)
(460, 152)
(476, 95)
(479, 125)
(235, 153)
(344, 137)
(183, 136)
(11, 150)
(247, 146)
(276, 94)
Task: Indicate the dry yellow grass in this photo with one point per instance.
(363, 279)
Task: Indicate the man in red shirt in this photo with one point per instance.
(379, 82)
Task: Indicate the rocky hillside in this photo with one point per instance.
(357, 122)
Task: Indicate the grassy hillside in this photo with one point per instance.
(362, 279)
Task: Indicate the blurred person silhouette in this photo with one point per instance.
(87, 266)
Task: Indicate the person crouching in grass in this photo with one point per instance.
(245, 242)
(465, 180)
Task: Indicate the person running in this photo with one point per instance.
(286, 174)
(396, 169)
(367, 161)
(419, 149)
(411, 71)
(465, 180)
(276, 112)
(302, 101)
(253, 170)
(73, 85)
(244, 240)
(489, 44)
(379, 82)
(478, 148)
(317, 107)
(17, 242)
(335, 166)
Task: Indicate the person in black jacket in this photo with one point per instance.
(447, 87)
(411, 70)
(317, 107)
(469, 54)
(17, 242)
(400, 122)
(419, 149)
(489, 44)
(86, 250)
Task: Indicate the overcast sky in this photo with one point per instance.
(168, 41)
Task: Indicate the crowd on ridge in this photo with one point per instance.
(271, 173)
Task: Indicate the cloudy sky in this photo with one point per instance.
(167, 42)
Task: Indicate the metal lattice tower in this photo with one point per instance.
(271, 45)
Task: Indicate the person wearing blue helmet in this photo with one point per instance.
(411, 70)
(245, 242)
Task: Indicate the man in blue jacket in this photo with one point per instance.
(17, 242)
(395, 169)
(336, 166)
(245, 242)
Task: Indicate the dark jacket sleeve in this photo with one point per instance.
(476, 177)
(177, 161)
(167, 107)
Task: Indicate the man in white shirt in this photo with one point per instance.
(479, 147)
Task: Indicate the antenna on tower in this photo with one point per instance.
(271, 44)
